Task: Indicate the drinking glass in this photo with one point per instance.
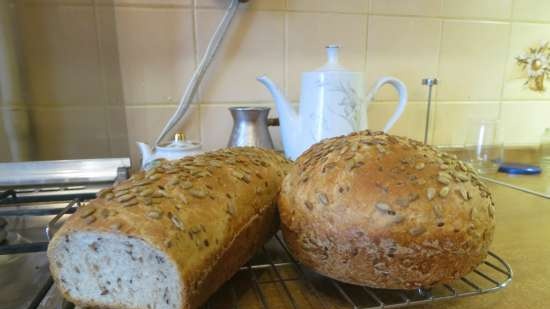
(483, 145)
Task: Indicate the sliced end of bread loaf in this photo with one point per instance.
(100, 269)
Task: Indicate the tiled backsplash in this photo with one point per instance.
(469, 45)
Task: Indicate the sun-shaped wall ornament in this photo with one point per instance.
(537, 64)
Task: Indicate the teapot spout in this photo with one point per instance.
(288, 117)
(146, 152)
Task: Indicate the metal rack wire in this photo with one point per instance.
(273, 279)
(25, 207)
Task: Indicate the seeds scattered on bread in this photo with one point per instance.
(405, 199)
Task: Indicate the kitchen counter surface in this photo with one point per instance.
(536, 183)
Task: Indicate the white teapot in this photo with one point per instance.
(176, 149)
(332, 103)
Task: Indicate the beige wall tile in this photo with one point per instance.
(109, 60)
(493, 9)
(472, 60)
(531, 10)
(348, 6)
(61, 54)
(253, 46)
(252, 5)
(404, 47)
(451, 119)
(309, 33)
(117, 131)
(17, 132)
(524, 121)
(156, 53)
(408, 7)
(70, 133)
(524, 36)
(216, 125)
(411, 123)
(146, 122)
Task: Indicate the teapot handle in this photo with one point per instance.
(401, 90)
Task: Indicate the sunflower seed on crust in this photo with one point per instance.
(462, 176)
(383, 207)
(177, 222)
(430, 193)
(417, 231)
(86, 212)
(463, 193)
(146, 192)
(90, 219)
(121, 193)
(444, 191)
(154, 214)
(130, 203)
(443, 180)
(124, 198)
(322, 198)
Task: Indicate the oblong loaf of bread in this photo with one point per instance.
(385, 211)
(168, 238)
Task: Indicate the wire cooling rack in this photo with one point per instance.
(274, 280)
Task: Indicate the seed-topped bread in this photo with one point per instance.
(169, 237)
(385, 211)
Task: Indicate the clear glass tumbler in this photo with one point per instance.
(544, 150)
(483, 145)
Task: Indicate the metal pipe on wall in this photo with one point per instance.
(13, 106)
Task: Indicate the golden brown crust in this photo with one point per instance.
(251, 237)
(196, 210)
(385, 211)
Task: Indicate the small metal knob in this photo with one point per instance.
(429, 81)
(273, 122)
(179, 137)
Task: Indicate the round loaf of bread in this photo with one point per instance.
(385, 211)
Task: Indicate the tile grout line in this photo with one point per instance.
(366, 44)
(504, 72)
(435, 97)
(285, 52)
(107, 120)
(198, 94)
(369, 13)
(466, 19)
(263, 103)
(256, 103)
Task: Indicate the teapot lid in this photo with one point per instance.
(332, 59)
(179, 144)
